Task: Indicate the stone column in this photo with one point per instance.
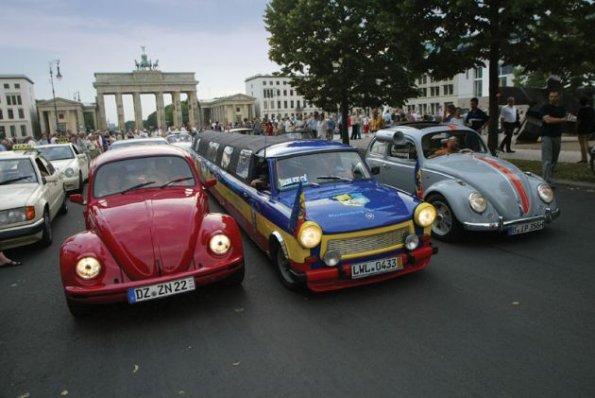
(160, 110)
(138, 112)
(43, 122)
(192, 108)
(101, 123)
(80, 120)
(120, 111)
(177, 113)
(52, 123)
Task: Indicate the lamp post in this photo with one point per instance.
(58, 76)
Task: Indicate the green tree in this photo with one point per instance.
(534, 34)
(151, 121)
(335, 53)
(528, 79)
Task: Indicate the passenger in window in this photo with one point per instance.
(261, 181)
(451, 146)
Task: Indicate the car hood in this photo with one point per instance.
(504, 185)
(345, 207)
(150, 233)
(63, 164)
(15, 195)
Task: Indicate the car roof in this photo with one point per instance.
(133, 140)
(140, 151)
(419, 129)
(53, 145)
(18, 154)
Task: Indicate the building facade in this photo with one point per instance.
(275, 97)
(437, 94)
(228, 110)
(69, 116)
(18, 114)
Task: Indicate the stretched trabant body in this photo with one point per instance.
(450, 167)
(315, 209)
(149, 232)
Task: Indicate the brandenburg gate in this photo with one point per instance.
(146, 79)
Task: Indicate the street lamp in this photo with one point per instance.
(59, 77)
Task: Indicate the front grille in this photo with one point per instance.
(368, 243)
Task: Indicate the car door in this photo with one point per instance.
(54, 184)
(82, 160)
(401, 165)
(377, 157)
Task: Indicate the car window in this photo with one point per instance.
(405, 151)
(56, 152)
(17, 171)
(243, 163)
(435, 141)
(43, 169)
(226, 158)
(196, 144)
(378, 148)
(212, 151)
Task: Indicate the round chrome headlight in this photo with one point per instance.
(332, 258)
(310, 235)
(219, 244)
(411, 242)
(546, 193)
(69, 172)
(478, 203)
(424, 215)
(88, 267)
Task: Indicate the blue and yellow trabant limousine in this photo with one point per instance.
(314, 207)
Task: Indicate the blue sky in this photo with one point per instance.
(222, 41)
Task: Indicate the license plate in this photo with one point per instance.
(527, 227)
(362, 270)
(159, 290)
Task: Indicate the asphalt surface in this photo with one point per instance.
(490, 317)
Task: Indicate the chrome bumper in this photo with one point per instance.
(501, 225)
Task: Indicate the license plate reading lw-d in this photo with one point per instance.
(362, 270)
(151, 292)
(526, 227)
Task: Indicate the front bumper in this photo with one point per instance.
(114, 293)
(71, 183)
(335, 278)
(22, 235)
(501, 225)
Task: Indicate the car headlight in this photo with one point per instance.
(19, 214)
(310, 235)
(424, 215)
(88, 267)
(219, 244)
(69, 172)
(411, 242)
(545, 193)
(478, 203)
(332, 258)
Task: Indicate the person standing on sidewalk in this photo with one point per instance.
(585, 121)
(476, 118)
(554, 117)
(508, 118)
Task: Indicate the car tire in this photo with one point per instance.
(236, 278)
(77, 309)
(47, 235)
(446, 227)
(283, 269)
(64, 207)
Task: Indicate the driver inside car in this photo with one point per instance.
(451, 146)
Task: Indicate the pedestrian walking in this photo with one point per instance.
(476, 118)
(509, 117)
(585, 126)
(554, 117)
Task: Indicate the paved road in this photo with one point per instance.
(490, 317)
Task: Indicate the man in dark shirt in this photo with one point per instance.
(476, 118)
(554, 118)
(585, 126)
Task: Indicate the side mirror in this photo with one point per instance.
(77, 198)
(375, 170)
(210, 182)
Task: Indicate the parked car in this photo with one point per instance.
(149, 233)
(180, 139)
(31, 195)
(449, 166)
(119, 144)
(315, 209)
(69, 160)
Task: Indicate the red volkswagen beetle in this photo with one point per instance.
(149, 232)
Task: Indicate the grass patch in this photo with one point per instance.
(564, 171)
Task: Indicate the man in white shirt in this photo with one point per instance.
(508, 118)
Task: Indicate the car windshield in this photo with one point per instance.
(17, 171)
(319, 168)
(178, 138)
(126, 143)
(451, 141)
(56, 152)
(123, 176)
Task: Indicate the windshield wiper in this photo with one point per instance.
(176, 180)
(137, 186)
(335, 178)
(14, 180)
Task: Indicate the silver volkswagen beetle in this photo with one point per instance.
(450, 167)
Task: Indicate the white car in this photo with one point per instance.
(69, 160)
(31, 195)
(180, 139)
